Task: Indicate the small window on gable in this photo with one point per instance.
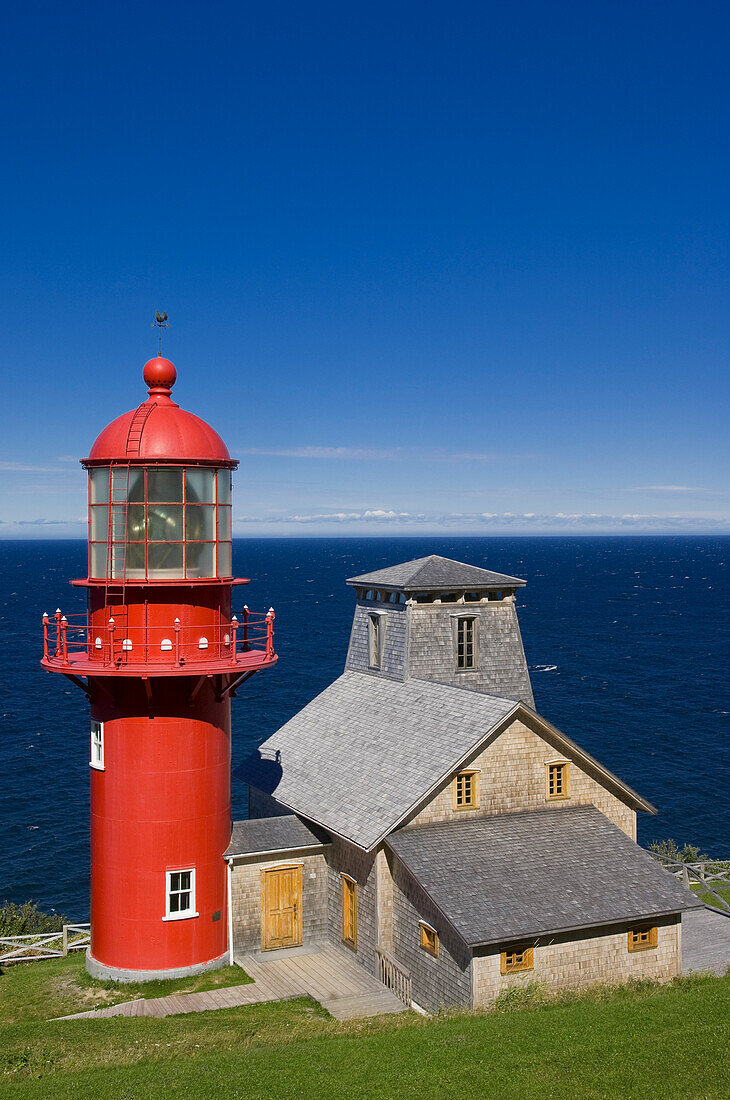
(465, 791)
(96, 757)
(515, 960)
(465, 639)
(375, 640)
(180, 894)
(640, 939)
(429, 939)
(556, 781)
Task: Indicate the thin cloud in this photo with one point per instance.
(667, 489)
(370, 454)
(525, 521)
(24, 468)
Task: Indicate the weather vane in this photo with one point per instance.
(159, 323)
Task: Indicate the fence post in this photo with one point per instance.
(65, 940)
(685, 876)
(234, 631)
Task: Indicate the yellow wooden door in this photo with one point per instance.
(349, 912)
(281, 909)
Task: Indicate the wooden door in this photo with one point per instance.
(349, 912)
(281, 908)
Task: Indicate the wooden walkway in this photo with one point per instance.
(705, 941)
(324, 973)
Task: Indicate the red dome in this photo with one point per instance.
(159, 430)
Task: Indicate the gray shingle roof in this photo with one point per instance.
(366, 750)
(272, 834)
(435, 572)
(518, 875)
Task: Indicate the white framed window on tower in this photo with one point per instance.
(180, 894)
(96, 751)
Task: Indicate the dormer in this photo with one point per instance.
(438, 619)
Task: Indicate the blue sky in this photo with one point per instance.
(428, 266)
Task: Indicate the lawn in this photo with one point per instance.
(709, 899)
(58, 987)
(637, 1043)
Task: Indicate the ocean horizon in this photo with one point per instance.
(627, 639)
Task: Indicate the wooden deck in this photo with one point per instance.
(328, 975)
(705, 941)
(324, 973)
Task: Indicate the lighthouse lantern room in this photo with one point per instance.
(159, 654)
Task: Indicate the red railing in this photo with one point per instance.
(70, 640)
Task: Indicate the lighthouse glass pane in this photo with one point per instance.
(164, 560)
(200, 559)
(199, 522)
(225, 568)
(224, 524)
(200, 486)
(135, 487)
(99, 523)
(224, 486)
(98, 559)
(99, 484)
(135, 523)
(135, 561)
(165, 522)
(165, 484)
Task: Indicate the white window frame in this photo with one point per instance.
(457, 620)
(96, 746)
(183, 914)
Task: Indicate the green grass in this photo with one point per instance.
(58, 987)
(709, 899)
(641, 1042)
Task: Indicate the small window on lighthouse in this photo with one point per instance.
(96, 759)
(180, 894)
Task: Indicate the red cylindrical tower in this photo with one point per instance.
(159, 655)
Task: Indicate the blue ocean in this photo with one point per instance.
(627, 639)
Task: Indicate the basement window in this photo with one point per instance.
(465, 791)
(180, 894)
(429, 939)
(641, 939)
(556, 782)
(515, 960)
(96, 757)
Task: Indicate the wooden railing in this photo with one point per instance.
(394, 976)
(45, 945)
(703, 874)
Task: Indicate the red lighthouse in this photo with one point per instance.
(159, 655)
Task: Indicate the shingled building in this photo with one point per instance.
(422, 815)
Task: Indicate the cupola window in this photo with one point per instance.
(465, 643)
(160, 522)
(376, 628)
